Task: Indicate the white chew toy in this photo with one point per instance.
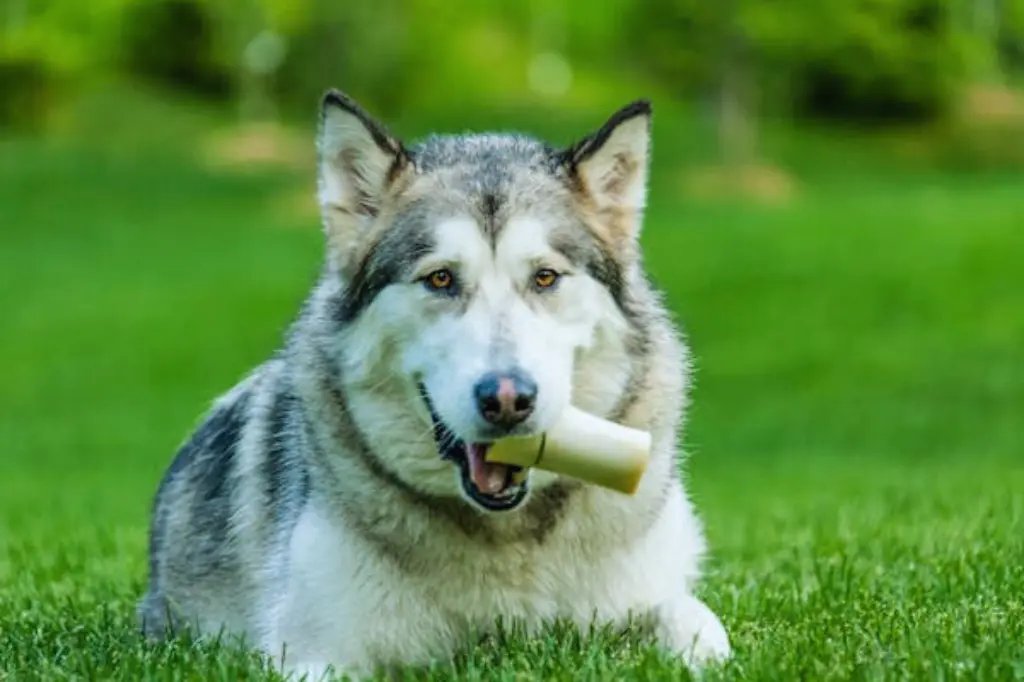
(583, 446)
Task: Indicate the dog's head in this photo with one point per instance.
(476, 269)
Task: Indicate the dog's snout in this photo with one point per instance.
(505, 398)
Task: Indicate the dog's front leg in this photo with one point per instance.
(689, 628)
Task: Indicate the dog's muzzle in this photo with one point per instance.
(492, 486)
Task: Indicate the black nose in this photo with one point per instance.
(505, 398)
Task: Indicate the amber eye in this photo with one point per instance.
(439, 279)
(545, 279)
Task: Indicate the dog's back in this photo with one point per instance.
(205, 524)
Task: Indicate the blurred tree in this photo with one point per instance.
(880, 60)
(839, 59)
(174, 43)
(365, 48)
(703, 48)
(1011, 38)
(49, 49)
(985, 23)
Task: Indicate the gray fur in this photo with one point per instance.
(194, 501)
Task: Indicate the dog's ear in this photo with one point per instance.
(358, 162)
(610, 166)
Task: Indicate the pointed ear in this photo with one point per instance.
(358, 162)
(610, 166)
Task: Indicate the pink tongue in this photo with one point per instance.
(488, 477)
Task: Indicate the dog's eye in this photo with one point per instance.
(545, 278)
(439, 280)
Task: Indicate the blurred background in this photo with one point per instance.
(733, 76)
(837, 218)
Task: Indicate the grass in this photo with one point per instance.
(856, 435)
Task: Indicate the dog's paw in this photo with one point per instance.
(690, 629)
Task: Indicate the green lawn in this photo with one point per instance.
(857, 434)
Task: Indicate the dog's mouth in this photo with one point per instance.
(493, 486)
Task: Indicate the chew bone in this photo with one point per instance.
(583, 446)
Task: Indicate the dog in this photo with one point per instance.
(335, 508)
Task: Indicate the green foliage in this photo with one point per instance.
(860, 59)
(888, 60)
(48, 51)
(28, 89)
(73, 37)
(882, 59)
(1011, 36)
(671, 40)
(174, 43)
(367, 48)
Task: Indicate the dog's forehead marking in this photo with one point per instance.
(460, 239)
(523, 243)
(490, 175)
(524, 239)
